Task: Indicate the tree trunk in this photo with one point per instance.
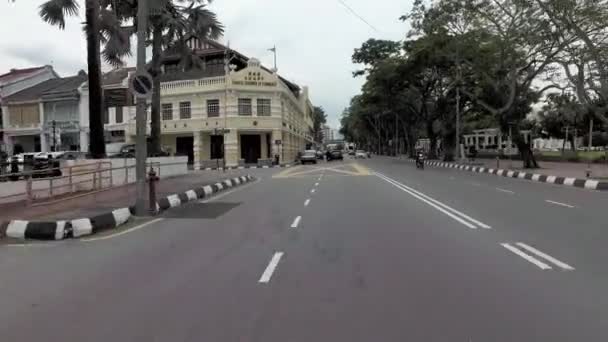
(527, 156)
(97, 147)
(154, 145)
(432, 153)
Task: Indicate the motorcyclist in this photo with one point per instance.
(419, 157)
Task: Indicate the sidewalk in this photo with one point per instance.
(559, 169)
(108, 200)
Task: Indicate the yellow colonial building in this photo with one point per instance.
(231, 107)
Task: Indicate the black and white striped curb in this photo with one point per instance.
(246, 167)
(176, 200)
(59, 230)
(568, 181)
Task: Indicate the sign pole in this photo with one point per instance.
(141, 152)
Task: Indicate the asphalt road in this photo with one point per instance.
(372, 250)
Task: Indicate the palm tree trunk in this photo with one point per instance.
(97, 147)
(155, 72)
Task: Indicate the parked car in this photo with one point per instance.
(128, 151)
(309, 156)
(360, 154)
(335, 155)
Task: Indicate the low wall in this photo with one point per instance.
(87, 175)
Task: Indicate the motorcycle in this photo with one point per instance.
(420, 161)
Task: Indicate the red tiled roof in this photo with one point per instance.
(15, 73)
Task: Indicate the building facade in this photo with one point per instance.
(44, 117)
(245, 114)
(13, 82)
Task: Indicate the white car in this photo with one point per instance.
(360, 154)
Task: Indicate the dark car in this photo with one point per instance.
(335, 155)
(128, 151)
(309, 156)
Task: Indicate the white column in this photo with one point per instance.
(44, 146)
(197, 146)
(84, 141)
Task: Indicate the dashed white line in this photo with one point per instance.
(560, 203)
(307, 202)
(316, 184)
(545, 256)
(476, 184)
(272, 265)
(312, 191)
(525, 256)
(505, 190)
(296, 222)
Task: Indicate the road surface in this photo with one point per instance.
(366, 250)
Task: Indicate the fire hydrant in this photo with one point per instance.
(152, 179)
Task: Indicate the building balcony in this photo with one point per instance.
(193, 86)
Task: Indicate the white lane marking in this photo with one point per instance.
(560, 203)
(272, 265)
(469, 225)
(476, 184)
(312, 191)
(545, 256)
(526, 257)
(123, 232)
(296, 222)
(443, 205)
(316, 184)
(307, 202)
(37, 244)
(505, 190)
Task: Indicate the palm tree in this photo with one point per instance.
(171, 24)
(54, 12)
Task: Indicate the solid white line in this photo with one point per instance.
(432, 204)
(534, 261)
(272, 265)
(296, 222)
(312, 191)
(123, 232)
(447, 207)
(560, 203)
(307, 202)
(546, 256)
(505, 190)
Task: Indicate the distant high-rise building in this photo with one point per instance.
(325, 132)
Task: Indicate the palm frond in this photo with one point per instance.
(55, 11)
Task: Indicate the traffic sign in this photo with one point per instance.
(141, 85)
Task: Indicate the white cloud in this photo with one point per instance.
(315, 40)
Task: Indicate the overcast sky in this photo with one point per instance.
(314, 38)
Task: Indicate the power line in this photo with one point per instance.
(352, 11)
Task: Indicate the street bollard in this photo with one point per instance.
(497, 162)
(152, 179)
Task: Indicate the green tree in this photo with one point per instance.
(318, 120)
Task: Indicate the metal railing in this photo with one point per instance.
(37, 185)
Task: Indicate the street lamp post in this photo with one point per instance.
(141, 114)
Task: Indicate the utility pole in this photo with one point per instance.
(141, 152)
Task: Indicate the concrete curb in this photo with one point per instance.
(247, 167)
(59, 230)
(567, 181)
